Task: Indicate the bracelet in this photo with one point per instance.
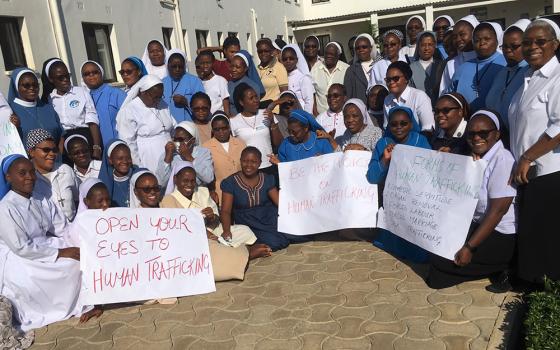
(471, 248)
(96, 147)
(524, 157)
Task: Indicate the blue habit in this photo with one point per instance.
(290, 150)
(187, 86)
(107, 100)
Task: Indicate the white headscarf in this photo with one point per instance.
(84, 188)
(335, 44)
(149, 66)
(145, 83)
(361, 106)
(134, 201)
(373, 54)
(490, 115)
(552, 24)
(302, 63)
(318, 42)
(191, 128)
(20, 73)
(470, 19)
(497, 29)
(448, 18)
(98, 66)
(178, 165)
(521, 24)
(74, 136)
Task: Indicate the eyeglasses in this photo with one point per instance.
(445, 110)
(91, 73)
(390, 44)
(401, 123)
(483, 134)
(362, 47)
(334, 95)
(48, 150)
(511, 47)
(538, 42)
(394, 79)
(148, 190)
(63, 77)
(443, 27)
(127, 71)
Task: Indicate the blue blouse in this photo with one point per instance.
(107, 100)
(377, 171)
(290, 151)
(187, 86)
(40, 116)
(474, 78)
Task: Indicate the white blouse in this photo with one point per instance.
(330, 120)
(75, 108)
(254, 131)
(418, 101)
(534, 111)
(302, 85)
(61, 186)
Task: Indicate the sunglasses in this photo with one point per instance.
(394, 79)
(401, 123)
(127, 71)
(390, 44)
(148, 190)
(443, 27)
(362, 47)
(483, 134)
(445, 110)
(538, 42)
(511, 47)
(48, 150)
(334, 95)
(91, 73)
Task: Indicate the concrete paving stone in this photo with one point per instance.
(219, 302)
(182, 342)
(334, 266)
(284, 328)
(259, 314)
(333, 343)
(479, 344)
(388, 285)
(47, 346)
(349, 327)
(357, 286)
(110, 316)
(276, 289)
(80, 332)
(387, 264)
(473, 285)
(162, 330)
(483, 298)
(342, 276)
(485, 326)
(246, 341)
(312, 340)
(452, 313)
(303, 289)
(142, 332)
(222, 330)
(476, 312)
(499, 298)
(399, 274)
(207, 345)
(404, 312)
(246, 289)
(77, 343)
(263, 330)
(279, 314)
(127, 342)
(275, 344)
(438, 298)
(376, 298)
(180, 316)
(296, 302)
(320, 312)
(331, 327)
(306, 277)
(441, 329)
(332, 300)
(198, 331)
(240, 315)
(240, 302)
(365, 312)
(107, 331)
(454, 290)
(203, 315)
(276, 301)
(350, 265)
(317, 258)
(408, 286)
(356, 298)
(412, 344)
(48, 334)
(359, 275)
(382, 341)
(418, 328)
(384, 313)
(417, 298)
(456, 342)
(372, 327)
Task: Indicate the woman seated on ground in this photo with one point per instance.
(78, 151)
(375, 98)
(452, 113)
(54, 181)
(186, 147)
(490, 243)
(250, 198)
(41, 274)
(225, 150)
(116, 170)
(303, 142)
(402, 129)
(230, 251)
(360, 134)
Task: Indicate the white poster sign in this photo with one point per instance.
(10, 143)
(139, 254)
(430, 197)
(326, 193)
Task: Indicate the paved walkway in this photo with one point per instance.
(317, 295)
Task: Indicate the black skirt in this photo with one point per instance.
(539, 229)
(493, 256)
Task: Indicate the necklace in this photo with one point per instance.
(173, 89)
(158, 117)
(254, 126)
(477, 79)
(305, 148)
(508, 80)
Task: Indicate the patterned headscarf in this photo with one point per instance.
(395, 32)
(35, 137)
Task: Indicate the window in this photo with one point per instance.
(11, 44)
(98, 48)
(232, 34)
(201, 36)
(323, 41)
(290, 39)
(281, 37)
(167, 35)
(319, 1)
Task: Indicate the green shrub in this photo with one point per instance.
(542, 324)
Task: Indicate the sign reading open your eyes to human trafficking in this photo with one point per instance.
(138, 254)
(326, 193)
(430, 197)
(10, 143)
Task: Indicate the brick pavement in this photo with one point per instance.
(317, 295)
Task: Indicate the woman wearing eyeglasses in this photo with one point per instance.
(402, 129)
(400, 94)
(427, 66)
(107, 99)
(490, 243)
(440, 27)
(358, 75)
(32, 113)
(392, 41)
(452, 113)
(57, 182)
(179, 86)
(510, 78)
(73, 104)
(132, 70)
(145, 191)
(535, 143)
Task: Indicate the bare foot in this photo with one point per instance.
(95, 312)
(259, 251)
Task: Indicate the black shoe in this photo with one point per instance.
(500, 284)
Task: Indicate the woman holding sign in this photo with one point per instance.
(402, 129)
(490, 243)
(41, 274)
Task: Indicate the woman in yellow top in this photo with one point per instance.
(274, 76)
